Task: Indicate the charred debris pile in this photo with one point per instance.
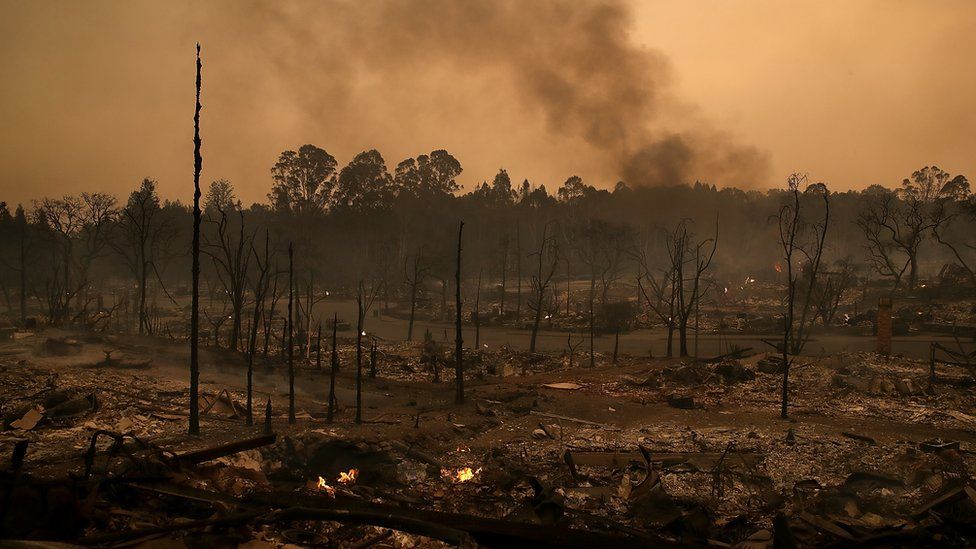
(642, 452)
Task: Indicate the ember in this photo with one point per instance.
(464, 474)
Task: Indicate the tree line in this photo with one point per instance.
(92, 259)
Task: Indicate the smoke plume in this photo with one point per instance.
(569, 62)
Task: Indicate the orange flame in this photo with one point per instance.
(778, 267)
(348, 478)
(464, 474)
(322, 485)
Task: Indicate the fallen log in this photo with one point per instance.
(417, 454)
(484, 531)
(207, 454)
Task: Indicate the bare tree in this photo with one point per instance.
(547, 258)
(690, 290)
(231, 256)
(291, 342)
(660, 291)
(416, 269)
(895, 223)
(518, 273)
(599, 246)
(830, 288)
(804, 241)
(82, 227)
(962, 248)
(334, 368)
(504, 272)
(364, 301)
(476, 314)
(145, 239)
(259, 287)
(458, 339)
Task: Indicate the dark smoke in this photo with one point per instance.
(570, 61)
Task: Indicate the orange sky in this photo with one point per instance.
(97, 95)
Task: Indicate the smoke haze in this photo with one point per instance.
(99, 95)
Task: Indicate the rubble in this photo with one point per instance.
(647, 452)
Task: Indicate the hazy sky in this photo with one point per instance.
(98, 95)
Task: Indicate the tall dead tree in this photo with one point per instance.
(659, 291)
(359, 353)
(231, 259)
(458, 339)
(144, 238)
(291, 332)
(698, 260)
(194, 428)
(476, 314)
(415, 271)
(518, 274)
(798, 239)
(547, 259)
(364, 301)
(505, 243)
(260, 289)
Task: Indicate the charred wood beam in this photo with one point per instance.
(215, 452)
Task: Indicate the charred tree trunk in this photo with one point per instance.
(504, 276)
(334, 368)
(518, 275)
(413, 310)
(291, 334)
(359, 354)
(194, 427)
(476, 315)
(458, 339)
(308, 317)
(23, 277)
(318, 348)
(592, 330)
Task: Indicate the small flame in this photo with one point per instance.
(778, 267)
(464, 474)
(322, 485)
(348, 478)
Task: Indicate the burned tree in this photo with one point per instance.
(231, 256)
(415, 270)
(145, 237)
(81, 226)
(291, 343)
(194, 428)
(799, 239)
(518, 273)
(599, 246)
(830, 288)
(260, 289)
(663, 297)
(458, 339)
(547, 259)
(364, 301)
(333, 369)
(959, 242)
(895, 223)
(689, 299)
(476, 314)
